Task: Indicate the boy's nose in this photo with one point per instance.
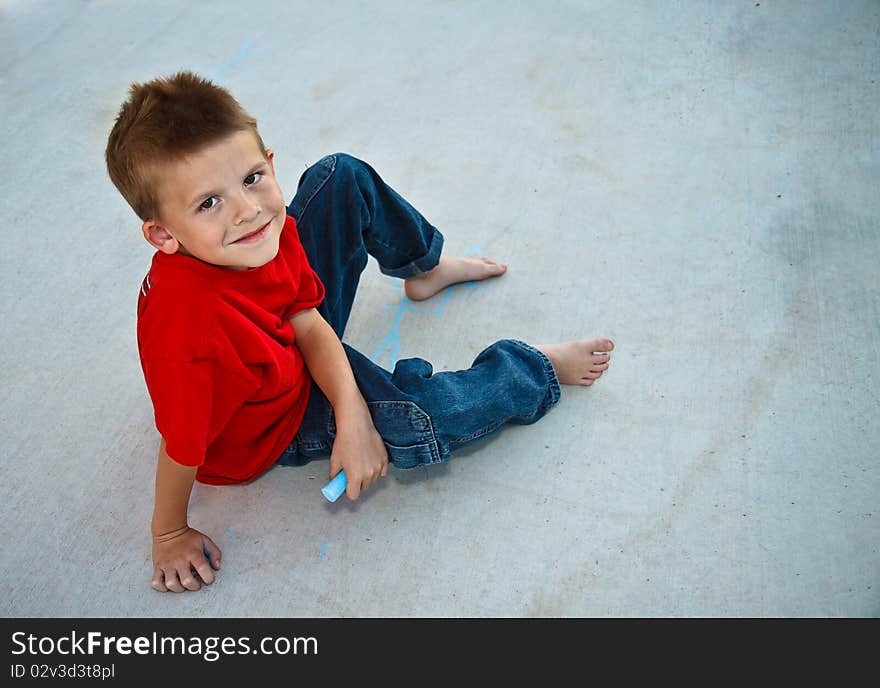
(246, 210)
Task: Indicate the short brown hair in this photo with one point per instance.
(162, 121)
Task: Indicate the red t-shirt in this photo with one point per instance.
(228, 385)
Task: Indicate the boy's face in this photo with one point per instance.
(221, 205)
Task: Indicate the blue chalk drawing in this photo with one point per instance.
(231, 534)
(323, 550)
(246, 50)
(391, 343)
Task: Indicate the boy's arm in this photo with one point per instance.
(358, 448)
(177, 548)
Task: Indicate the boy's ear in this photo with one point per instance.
(270, 156)
(159, 237)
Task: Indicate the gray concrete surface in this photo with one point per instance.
(698, 180)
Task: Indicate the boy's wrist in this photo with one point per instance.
(165, 534)
(351, 408)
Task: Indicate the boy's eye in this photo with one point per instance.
(208, 203)
(252, 178)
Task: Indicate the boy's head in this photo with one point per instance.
(190, 162)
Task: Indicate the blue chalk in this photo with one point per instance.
(335, 487)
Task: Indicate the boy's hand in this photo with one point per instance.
(175, 559)
(359, 450)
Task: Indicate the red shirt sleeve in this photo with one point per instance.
(193, 401)
(311, 291)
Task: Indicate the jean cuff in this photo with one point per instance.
(554, 391)
(421, 265)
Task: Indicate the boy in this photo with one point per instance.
(241, 314)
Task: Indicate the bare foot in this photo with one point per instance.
(451, 270)
(580, 362)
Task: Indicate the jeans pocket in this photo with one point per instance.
(406, 430)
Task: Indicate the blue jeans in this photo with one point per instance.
(344, 211)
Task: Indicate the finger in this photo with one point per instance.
(203, 572)
(203, 569)
(212, 551)
(188, 579)
(373, 477)
(158, 581)
(353, 490)
(172, 582)
(384, 469)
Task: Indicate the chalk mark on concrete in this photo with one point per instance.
(246, 50)
(391, 343)
(323, 550)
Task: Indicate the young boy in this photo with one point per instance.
(241, 314)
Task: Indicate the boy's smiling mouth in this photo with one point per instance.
(254, 236)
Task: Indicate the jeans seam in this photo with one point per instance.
(412, 269)
(330, 171)
(331, 309)
(433, 444)
(314, 445)
(554, 391)
(479, 433)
